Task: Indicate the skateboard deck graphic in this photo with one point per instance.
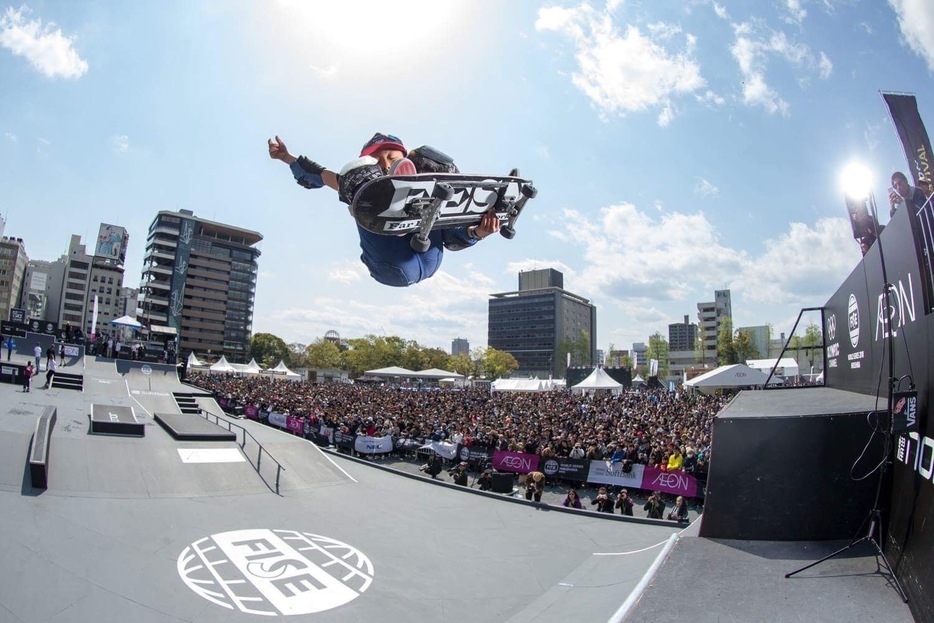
(401, 204)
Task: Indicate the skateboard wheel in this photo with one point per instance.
(508, 232)
(529, 191)
(443, 192)
(419, 245)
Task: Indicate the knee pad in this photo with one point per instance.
(430, 160)
(355, 174)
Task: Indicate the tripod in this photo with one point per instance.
(875, 514)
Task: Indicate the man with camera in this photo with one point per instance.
(655, 506)
(459, 474)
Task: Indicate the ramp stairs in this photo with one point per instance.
(64, 380)
(187, 403)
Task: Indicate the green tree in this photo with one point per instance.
(296, 356)
(497, 363)
(726, 353)
(744, 348)
(809, 345)
(372, 352)
(323, 353)
(658, 349)
(268, 349)
(460, 363)
(436, 358)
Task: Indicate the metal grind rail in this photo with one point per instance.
(220, 421)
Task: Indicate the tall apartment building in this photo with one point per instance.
(682, 336)
(639, 350)
(460, 346)
(531, 322)
(710, 316)
(73, 309)
(199, 281)
(13, 261)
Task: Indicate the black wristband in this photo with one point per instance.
(310, 166)
(472, 233)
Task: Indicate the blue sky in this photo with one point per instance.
(678, 147)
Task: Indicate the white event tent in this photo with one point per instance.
(520, 385)
(282, 371)
(787, 366)
(222, 366)
(194, 362)
(736, 375)
(598, 380)
(248, 368)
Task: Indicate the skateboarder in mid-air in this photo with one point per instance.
(390, 259)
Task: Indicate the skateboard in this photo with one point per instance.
(401, 204)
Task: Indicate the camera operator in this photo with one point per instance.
(433, 466)
(655, 506)
(459, 474)
(624, 503)
(603, 501)
(485, 481)
(534, 486)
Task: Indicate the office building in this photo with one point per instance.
(13, 261)
(460, 346)
(638, 354)
(199, 284)
(532, 323)
(710, 316)
(42, 290)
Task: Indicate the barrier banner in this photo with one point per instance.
(364, 444)
(223, 403)
(72, 351)
(343, 440)
(327, 432)
(278, 419)
(516, 462)
(251, 412)
(442, 448)
(294, 424)
(474, 454)
(606, 473)
(406, 444)
(675, 483)
(565, 468)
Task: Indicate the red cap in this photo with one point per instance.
(382, 141)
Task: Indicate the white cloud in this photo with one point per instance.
(705, 189)
(45, 47)
(753, 48)
(326, 73)
(348, 271)
(41, 144)
(624, 72)
(11, 137)
(916, 20)
(825, 66)
(796, 13)
(120, 143)
(720, 11)
(641, 265)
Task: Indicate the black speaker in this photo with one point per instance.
(502, 483)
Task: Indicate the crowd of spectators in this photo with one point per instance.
(669, 430)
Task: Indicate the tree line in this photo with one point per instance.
(357, 355)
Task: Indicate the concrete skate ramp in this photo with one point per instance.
(25, 347)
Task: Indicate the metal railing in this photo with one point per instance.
(259, 455)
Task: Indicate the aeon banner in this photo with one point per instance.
(516, 462)
(675, 483)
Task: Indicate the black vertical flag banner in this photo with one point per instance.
(904, 111)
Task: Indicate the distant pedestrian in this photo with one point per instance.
(49, 356)
(10, 345)
(50, 374)
(37, 351)
(61, 353)
(27, 375)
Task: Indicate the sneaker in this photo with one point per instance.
(403, 167)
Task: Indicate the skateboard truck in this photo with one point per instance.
(508, 230)
(429, 214)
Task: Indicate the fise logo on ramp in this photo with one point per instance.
(275, 572)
